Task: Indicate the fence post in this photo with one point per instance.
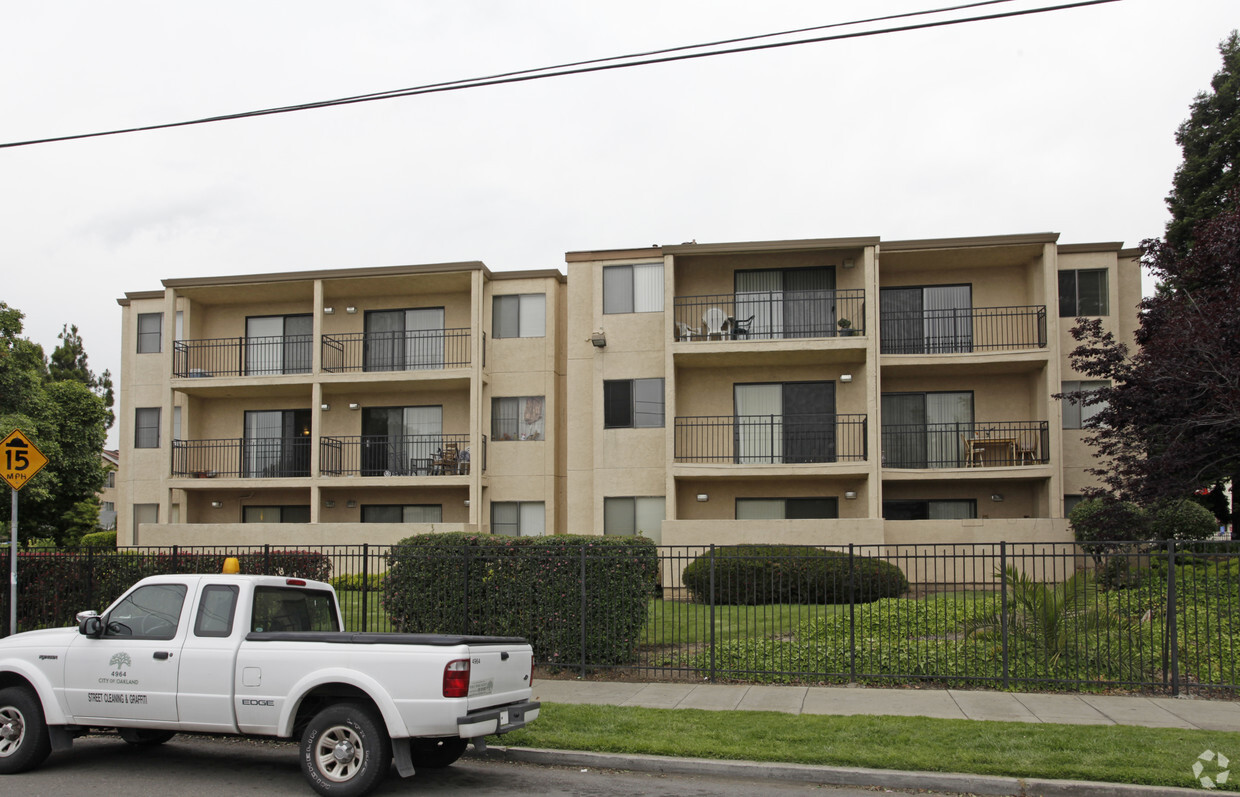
(174, 558)
(365, 583)
(267, 559)
(583, 610)
(1171, 624)
(1003, 611)
(852, 620)
(90, 576)
(465, 599)
(712, 613)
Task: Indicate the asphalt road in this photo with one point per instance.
(191, 766)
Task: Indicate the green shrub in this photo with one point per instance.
(531, 587)
(354, 582)
(99, 539)
(1183, 520)
(1108, 521)
(760, 574)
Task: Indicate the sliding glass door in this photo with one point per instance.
(400, 441)
(786, 303)
(785, 422)
(927, 320)
(926, 430)
(404, 340)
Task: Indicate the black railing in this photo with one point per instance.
(770, 315)
(974, 444)
(1156, 617)
(771, 439)
(258, 458)
(399, 455)
(260, 356)
(962, 330)
(411, 350)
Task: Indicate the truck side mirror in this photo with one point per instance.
(89, 624)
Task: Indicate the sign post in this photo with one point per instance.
(20, 460)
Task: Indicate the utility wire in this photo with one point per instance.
(595, 65)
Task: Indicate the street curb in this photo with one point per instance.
(831, 776)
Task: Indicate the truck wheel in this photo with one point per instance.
(144, 737)
(24, 740)
(437, 753)
(345, 751)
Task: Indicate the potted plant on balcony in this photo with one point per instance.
(845, 326)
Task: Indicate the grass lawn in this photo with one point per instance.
(1114, 753)
(680, 622)
(351, 608)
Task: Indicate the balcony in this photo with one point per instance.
(770, 315)
(409, 350)
(966, 445)
(400, 455)
(962, 330)
(255, 458)
(771, 439)
(260, 356)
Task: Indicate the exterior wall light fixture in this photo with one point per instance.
(354, 406)
(351, 310)
(217, 504)
(325, 406)
(850, 495)
(996, 497)
(598, 340)
(328, 310)
(329, 503)
(845, 377)
(703, 497)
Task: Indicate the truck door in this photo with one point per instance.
(131, 671)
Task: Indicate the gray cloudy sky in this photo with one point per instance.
(1054, 122)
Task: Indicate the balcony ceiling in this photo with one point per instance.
(912, 365)
(296, 387)
(733, 354)
(1006, 256)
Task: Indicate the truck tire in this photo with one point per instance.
(345, 751)
(24, 740)
(437, 753)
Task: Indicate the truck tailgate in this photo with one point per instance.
(498, 674)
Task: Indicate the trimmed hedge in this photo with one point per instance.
(531, 587)
(98, 539)
(760, 574)
(55, 585)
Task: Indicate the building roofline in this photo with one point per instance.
(134, 295)
(331, 273)
(533, 273)
(794, 245)
(1077, 249)
(1135, 251)
(613, 254)
(980, 240)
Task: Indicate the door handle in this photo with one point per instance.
(162, 655)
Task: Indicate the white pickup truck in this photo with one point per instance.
(262, 656)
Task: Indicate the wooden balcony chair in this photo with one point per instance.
(445, 459)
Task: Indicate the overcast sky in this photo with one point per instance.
(1060, 122)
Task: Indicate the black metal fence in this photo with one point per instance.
(771, 439)
(962, 330)
(770, 315)
(408, 350)
(244, 458)
(400, 455)
(971, 444)
(1155, 617)
(255, 356)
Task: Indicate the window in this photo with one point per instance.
(518, 518)
(786, 508)
(146, 427)
(786, 303)
(632, 403)
(1074, 413)
(784, 422)
(111, 480)
(404, 340)
(626, 517)
(1083, 292)
(1070, 502)
(936, 319)
(519, 316)
(914, 509)
(633, 289)
(408, 513)
(107, 506)
(216, 610)
(150, 612)
(926, 430)
(278, 344)
(150, 333)
(517, 418)
(277, 443)
(288, 609)
(275, 514)
(402, 441)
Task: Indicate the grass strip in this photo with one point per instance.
(1108, 753)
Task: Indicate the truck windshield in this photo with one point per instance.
(292, 609)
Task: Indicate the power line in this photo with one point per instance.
(596, 65)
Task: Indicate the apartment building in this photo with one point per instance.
(342, 406)
(806, 391)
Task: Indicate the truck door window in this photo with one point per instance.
(215, 610)
(290, 609)
(149, 612)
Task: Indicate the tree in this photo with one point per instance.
(68, 362)
(1210, 140)
(1169, 424)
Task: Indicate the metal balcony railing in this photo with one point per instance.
(260, 356)
(962, 330)
(771, 439)
(411, 350)
(966, 445)
(770, 315)
(257, 458)
(400, 455)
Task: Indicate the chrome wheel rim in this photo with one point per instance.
(12, 728)
(338, 753)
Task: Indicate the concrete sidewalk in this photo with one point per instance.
(1149, 712)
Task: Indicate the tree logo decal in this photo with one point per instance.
(1221, 765)
(120, 661)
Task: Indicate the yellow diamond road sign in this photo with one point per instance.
(19, 460)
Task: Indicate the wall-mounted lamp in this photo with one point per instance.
(329, 503)
(850, 495)
(325, 406)
(598, 340)
(354, 406)
(845, 377)
(849, 263)
(217, 504)
(350, 503)
(466, 502)
(351, 310)
(996, 497)
(328, 310)
(703, 497)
